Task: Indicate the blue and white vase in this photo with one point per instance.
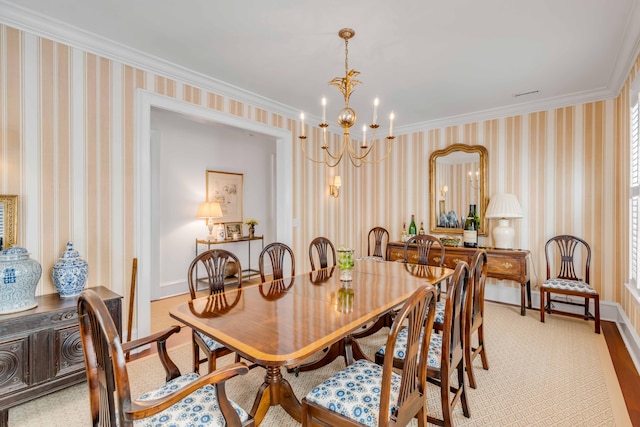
(70, 273)
(19, 276)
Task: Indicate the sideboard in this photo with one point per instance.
(502, 264)
(41, 350)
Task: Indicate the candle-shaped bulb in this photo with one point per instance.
(324, 110)
(375, 111)
(364, 136)
(391, 117)
(301, 124)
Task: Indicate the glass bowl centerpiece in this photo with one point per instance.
(345, 263)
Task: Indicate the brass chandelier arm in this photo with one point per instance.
(362, 158)
(336, 159)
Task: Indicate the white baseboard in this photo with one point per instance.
(610, 311)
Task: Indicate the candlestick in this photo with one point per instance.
(301, 124)
(391, 117)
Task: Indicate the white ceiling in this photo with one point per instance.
(426, 60)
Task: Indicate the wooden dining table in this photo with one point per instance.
(282, 323)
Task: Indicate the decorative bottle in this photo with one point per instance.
(412, 226)
(404, 236)
(470, 235)
(421, 228)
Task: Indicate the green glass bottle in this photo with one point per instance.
(412, 226)
(470, 235)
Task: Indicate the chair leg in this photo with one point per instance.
(446, 402)
(196, 357)
(212, 361)
(483, 352)
(542, 305)
(596, 302)
(463, 388)
(586, 306)
(468, 360)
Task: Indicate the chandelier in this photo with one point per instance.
(346, 119)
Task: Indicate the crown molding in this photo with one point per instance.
(511, 110)
(43, 26)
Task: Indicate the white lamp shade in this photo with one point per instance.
(337, 181)
(209, 210)
(504, 206)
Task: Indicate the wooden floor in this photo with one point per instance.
(625, 369)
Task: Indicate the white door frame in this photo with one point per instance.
(146, 238)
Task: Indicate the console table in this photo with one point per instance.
(502, 264)
(246, 272)
(41, 349)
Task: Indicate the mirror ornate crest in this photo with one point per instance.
(458, 178)
(8, 220)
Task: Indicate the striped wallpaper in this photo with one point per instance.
(67, 149)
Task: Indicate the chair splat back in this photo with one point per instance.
(214, 262)
(424, 243)
(566, 246)
(380, 238)
(323, 247)
(277, 253)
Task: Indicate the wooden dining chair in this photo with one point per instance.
(446, 350)
(319, 250)
(565, 280)
(214, 264)
(189, 397)
(377, 238)
(427, 246)
(365, 394)
(277, 253)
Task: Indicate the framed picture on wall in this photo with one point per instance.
(226, 189)
(232, 227)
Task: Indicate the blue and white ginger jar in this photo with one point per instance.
(70, 273)
(19, 276)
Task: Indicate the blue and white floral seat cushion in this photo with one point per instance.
(569, 285)
(435, 348)
(200, 408)
(212, 344)
(354, 392)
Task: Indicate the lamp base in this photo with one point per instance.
(504, 235)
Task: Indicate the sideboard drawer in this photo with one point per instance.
(450, 260)
(505, 267)
(395, 254)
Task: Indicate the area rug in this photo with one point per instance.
(540, 374)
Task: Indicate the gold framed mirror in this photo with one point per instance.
(8, 220)
(458, 178)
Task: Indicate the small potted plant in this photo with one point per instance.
(251, 222)
(345, 263)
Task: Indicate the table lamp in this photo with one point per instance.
(503, 207)
(210, 211)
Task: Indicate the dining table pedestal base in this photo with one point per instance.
(273, 392)
(347, 347)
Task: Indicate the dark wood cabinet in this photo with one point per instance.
(503, 264)
(41, 350)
